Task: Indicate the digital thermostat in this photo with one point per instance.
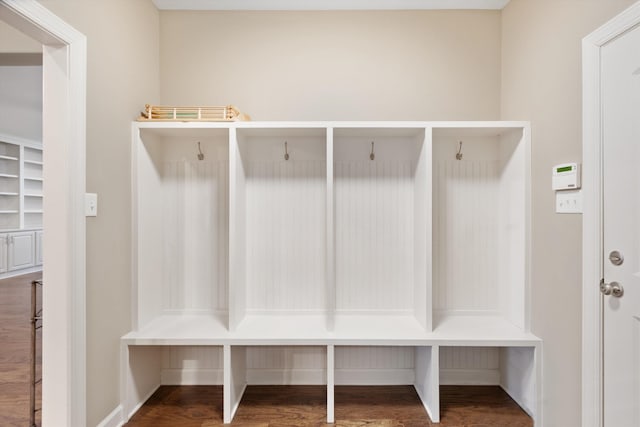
(566, 177)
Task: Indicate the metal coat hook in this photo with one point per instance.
(459, 153)
(200, 153)
(286, 152)
(372, 156)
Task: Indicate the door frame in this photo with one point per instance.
(592, 237)
(64, 65)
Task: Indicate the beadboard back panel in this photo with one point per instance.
(374, 365)
(187, 365)
(375, 205)
(354, 365)
(285, 222)
(470, 365)
(480, 222)
(196, 225)
(465, 227)
(182, 222)
(287, 365)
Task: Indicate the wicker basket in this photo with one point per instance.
(159, 113)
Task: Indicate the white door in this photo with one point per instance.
(621, 229)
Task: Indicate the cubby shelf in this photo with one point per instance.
(339, 252)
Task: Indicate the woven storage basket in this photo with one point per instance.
(192, 114)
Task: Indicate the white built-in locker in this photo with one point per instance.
(331, 253)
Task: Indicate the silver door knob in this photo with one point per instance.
(614, 288)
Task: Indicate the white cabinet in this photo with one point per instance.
(39, 250)
(332, 253)
(21, 250)
(4, 261)
(21, 205)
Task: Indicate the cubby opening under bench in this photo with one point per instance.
(331, 253)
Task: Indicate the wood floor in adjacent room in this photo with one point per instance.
(15, 345)
(290, 406)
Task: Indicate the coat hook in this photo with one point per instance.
(286, 152)
(459, 153)
(200, 153)
(372, 156)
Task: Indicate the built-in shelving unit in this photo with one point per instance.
(20, 204)
(331, 253)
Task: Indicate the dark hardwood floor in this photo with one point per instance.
(290, 406)
(15, 344)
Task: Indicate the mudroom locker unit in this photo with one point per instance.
(334, 253)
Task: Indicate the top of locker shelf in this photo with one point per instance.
(478, 125)
(341, 128)
(319, 129)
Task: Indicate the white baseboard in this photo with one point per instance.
(469, 377)
(291, 376)
(191, 377)
(374, 376)
(286, 376)
(114, 419)
(142, 402)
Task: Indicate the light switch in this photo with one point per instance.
(91, 204)
(569, 201)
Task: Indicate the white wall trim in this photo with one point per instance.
(64, 116)
(470, 377)
(286, 376)
(329, 4)
(592, 381)
(374, 376)
(191, 377)
(142, 401)
(114, 419)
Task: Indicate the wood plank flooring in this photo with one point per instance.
(15, 344)
(355, 406)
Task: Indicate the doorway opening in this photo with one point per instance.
(63, 187)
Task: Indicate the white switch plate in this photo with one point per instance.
(91, 204)
(569, 201)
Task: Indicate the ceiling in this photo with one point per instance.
(328, 4)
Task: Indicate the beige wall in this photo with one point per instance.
(541, 82)
(123, 55)
(338, 65)
(13, 41)
(335, 65)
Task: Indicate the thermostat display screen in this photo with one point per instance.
(566, 176)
